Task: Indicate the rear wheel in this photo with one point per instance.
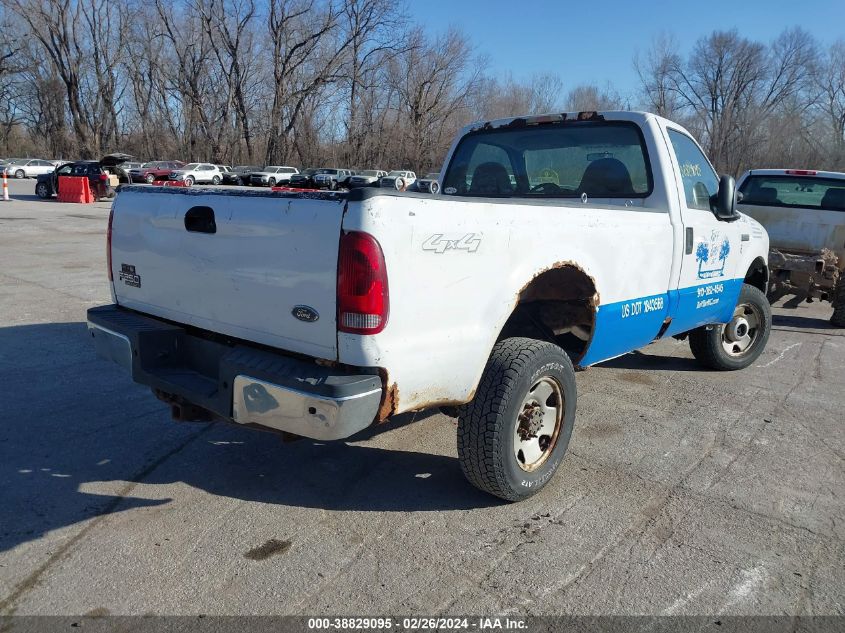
(42, 190)
(513, 435)
(737, 344)
(838, 318)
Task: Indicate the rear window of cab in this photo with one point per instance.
(561, 160)
(794, 192)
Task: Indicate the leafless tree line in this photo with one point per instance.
(353, 83)
(752, 104)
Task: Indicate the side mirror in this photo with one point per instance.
(723, 202)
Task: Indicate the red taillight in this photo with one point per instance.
(108, 244)
(104, 177)
(363, 301)
(801, 172)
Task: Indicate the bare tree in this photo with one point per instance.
(589, 97)
(656, 71)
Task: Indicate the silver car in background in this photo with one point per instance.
(367, 178)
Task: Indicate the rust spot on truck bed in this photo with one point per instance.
(389, 398)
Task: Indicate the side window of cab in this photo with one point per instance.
(699, 178)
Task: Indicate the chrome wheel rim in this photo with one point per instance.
(538, 424)
(740, 334)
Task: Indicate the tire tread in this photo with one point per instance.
(480, 422)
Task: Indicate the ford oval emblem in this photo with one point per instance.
(305, 313)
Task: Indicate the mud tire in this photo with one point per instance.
(486, 426)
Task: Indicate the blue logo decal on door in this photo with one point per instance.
(712, 256)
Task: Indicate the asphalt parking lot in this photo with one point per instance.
(684, 492)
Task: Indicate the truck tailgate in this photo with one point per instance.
(237, 263)
(801, 230)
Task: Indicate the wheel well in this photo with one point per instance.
(557, 305)
(758, 275)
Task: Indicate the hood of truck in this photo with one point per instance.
(269, 259)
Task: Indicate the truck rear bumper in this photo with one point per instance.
(234, 381)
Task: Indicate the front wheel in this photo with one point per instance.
(272, 182)
(215, 181)
(513, 435)
(20, 174)
(149, 179)
(42, 190)
(189, 181)
(737, 344)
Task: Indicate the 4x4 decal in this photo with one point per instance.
(439, 243)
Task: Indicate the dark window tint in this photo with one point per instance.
(602, 160)
(699, 178)
(806, 192)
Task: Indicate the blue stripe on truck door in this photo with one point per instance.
(624, 326)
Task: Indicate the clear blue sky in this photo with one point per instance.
(594, 41)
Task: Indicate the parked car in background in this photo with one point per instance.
(400, 179)
(331, 178)
(224, 169)
(803, 211)
(304, 179)
(367, 178)
(28, 167)
(273, 175)
(240, 174)
(155, 170)
(97, 173)
(429, 184)
(122, 170)
(199, 173)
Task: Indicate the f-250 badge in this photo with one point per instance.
(440, 243)
(128, 276)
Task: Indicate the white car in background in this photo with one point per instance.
(273, 175)
(198, 172)
(28, 167)
(399, 180)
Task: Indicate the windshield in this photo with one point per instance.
(326, 171)
(803, 192)
(432, 176)
(395, 174)
(369, 172)
(190, 166)
(562, 160)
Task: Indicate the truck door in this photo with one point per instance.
(708, 286)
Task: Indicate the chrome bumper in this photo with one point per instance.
(237, 383)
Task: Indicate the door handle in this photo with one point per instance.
(689, 241)
(200, 220)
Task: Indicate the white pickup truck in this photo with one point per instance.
(556, 240)
(803, 211)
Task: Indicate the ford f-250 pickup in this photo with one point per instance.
(556, 240)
